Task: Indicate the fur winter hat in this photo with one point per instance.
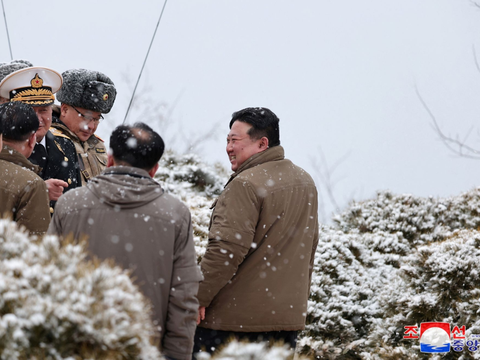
(14, 65)
(87, 89)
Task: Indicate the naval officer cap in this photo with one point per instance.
(33, 85)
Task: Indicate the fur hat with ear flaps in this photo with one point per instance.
(14, 65)
(87, 89)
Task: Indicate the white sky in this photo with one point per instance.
(340, 75)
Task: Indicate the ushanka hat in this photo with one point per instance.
(14, 65)
(87, 89)
(33, 85)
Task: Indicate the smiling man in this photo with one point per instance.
(84, 96)
(261, 242)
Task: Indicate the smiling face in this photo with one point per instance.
(44, 114)
(240, 147)
(82, 126)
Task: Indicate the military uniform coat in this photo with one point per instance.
(60, 163)
(261, 246)
(91, 154)
(23, 194)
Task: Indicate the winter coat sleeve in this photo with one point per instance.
(33, 210)
(183, 305)
(231, 235)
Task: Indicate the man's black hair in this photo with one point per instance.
(137, 145)
(264, 123)
(18, 121)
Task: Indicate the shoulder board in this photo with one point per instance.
(99, 138)
(57, 132)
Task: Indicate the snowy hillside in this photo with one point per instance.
(386, 263)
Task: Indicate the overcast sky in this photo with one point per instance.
(341, 76)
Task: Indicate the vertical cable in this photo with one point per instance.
(6, 27)
(146, 57)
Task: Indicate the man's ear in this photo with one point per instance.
(63, 109)
(110, 161)
(263, 143)
(153, 170)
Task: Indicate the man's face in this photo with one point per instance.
(240, 147)
(81, 122)
(44, 114)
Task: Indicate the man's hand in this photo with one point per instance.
(201, 314)
(55, 188)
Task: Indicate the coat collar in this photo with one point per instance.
(271, 154)
(127, 170)
(11, 155)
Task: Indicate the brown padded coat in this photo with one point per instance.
(23, 194)
(262, 241)
(128, 217)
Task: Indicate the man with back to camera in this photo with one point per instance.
(262, 240)
(56, 156)
(23, 194)
(84, 96)
(128, 217)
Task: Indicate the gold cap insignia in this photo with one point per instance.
(36, 82)
(105, 97)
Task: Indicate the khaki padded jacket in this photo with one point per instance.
(23, 194)
(262, 240)
(128, 217)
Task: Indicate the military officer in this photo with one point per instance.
(55, 154)
(84, 96)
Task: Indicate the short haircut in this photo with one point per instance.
(137, 145)
(264, 123)
(19, 121)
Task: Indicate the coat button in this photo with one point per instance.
(65, 159)
(69, 181)
(51, 210)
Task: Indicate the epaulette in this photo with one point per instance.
(57, 132)
(99, 138)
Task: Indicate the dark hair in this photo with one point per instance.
(137, 145)
(264, 123)
(19, 121)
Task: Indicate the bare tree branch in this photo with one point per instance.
(455, 145)
(475, 58)
(325, 174)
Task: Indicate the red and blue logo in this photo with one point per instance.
(435, 337)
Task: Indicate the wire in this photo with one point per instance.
(144, 62)
(8, 36)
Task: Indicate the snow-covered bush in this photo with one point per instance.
(235, 350)
(197, 184)
(56, 305)
(389, 262)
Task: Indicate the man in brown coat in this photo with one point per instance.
(262, 240)
(128, 217)
(23, 194)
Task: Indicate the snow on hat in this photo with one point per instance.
(33, 85)
(14, 65)
(87, 89)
